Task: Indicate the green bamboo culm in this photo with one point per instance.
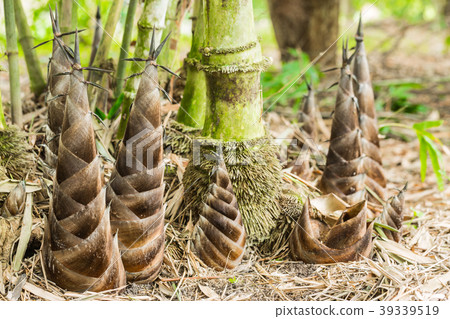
(169, 56)
(68, 19)
(104, 47)
(153, 16)
(13, 62)
(121, 67)
(2, 115)
(232, 62)
(193, 104)
(37, 81)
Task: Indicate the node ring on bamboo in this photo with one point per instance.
(259, 66)
(208, 51)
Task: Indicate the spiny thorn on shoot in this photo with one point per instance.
(160, 47)
(359, 32)
(77, 59)
(97, 15)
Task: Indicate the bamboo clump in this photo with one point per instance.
(136, 189)
(37, 82)
(314, 241)
(80, 252)
(219, 235)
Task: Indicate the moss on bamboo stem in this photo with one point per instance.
(232, 62)
(153, 16)
(37, 81)
(127, 32)
(13, 61)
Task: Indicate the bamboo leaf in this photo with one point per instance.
(381, 225)
(427, 124)
(100, 113)
(25, 233)
(380, 232)
(115, 108)
(436, 162)
(423, 158)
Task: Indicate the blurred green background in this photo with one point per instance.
(38, 17)
(279, 75)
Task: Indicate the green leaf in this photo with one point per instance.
(100, 113)
(436, 162)
(423, 157)
(427, 124)
(380, 232)
(386, 227)
(112, 112)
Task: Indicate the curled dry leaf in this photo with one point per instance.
(329, 207)
(313, 241)
(136, 189)
(58, 87)
(219, 235)
(79, 250)
(393, 215)
(15, 202)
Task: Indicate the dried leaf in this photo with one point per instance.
(209, 292)
(398, 250)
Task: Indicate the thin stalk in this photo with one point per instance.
(193, 105)
(104, 46)
(233, 63)
(37, 81)
(399, 125)
(153, 16)
(13, 61)
(127, 32)
(97, 36)
(2, 115)
(68, 18)
(169, 56)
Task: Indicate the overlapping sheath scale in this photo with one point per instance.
(80, 252)
(219, 236)
(136, 188)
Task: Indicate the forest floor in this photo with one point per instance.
(416, 269)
